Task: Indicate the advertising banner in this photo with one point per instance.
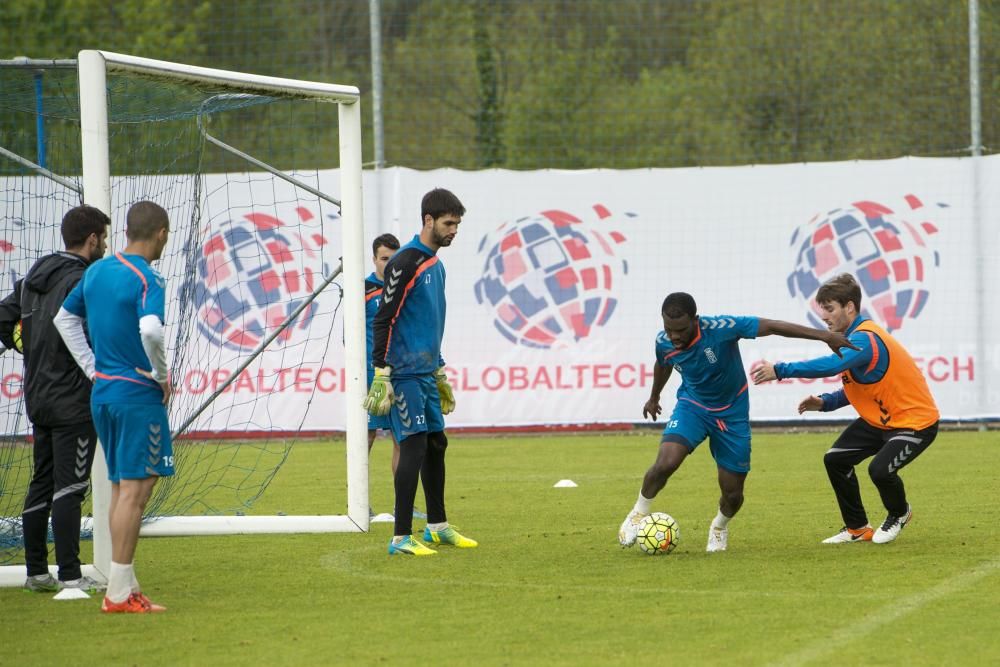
(556, 279)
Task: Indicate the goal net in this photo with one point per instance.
(262, 180)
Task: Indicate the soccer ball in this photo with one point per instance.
(18, 341)
(658, 534)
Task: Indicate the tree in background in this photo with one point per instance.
(532, 84)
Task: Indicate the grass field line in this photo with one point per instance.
(893, 611)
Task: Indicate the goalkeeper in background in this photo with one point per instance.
(409, 382)
(712, 402)
(57, 398)
(123, 301)
(899, 419)
(383, 248)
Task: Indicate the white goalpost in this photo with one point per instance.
(106, 186)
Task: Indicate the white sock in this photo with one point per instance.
(135, 582)
(437, 527)
(643, 504)
(396, 539)
(119, 582)
(721, 520)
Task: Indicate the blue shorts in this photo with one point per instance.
(417, 408)
(728, 433)
(379, 422)
(135, 438)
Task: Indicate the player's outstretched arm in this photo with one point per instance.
(836, 341)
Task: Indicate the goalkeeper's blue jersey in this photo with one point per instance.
(373, 299)
(409, 325)
(711, 368)
(114, 294)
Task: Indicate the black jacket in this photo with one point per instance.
(56, 392)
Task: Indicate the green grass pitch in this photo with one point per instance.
(549, 584)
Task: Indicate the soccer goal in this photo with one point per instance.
(264, 261)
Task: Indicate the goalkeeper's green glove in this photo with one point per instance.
(380, 396)
(445, 391)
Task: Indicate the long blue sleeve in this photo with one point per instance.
(834, 400)
(829, 365)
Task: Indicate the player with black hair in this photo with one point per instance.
(57, 398)
(409, 382)
(712, 402)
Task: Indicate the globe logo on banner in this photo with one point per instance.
(890, 252)
(550, 279)
(251, 275)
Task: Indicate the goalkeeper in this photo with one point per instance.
(409, 382)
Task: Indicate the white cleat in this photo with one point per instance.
(848, 535)
(629, 531)
(717, 539)
(891, 527)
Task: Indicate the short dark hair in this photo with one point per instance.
(80, 222)
(440, 202)
(144, 220)
(842, 289)
(385, 241)
(678, 304)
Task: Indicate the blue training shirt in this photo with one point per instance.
(373, 299)
(711, 368)
(409, 325)
(114, 294)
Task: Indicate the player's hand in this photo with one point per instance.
(380, 395)
(652, 408)
(836, 341)
(764, 372)
(165, 386)
(811, 403)
(445, 391)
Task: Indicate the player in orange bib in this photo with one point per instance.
(898, 416)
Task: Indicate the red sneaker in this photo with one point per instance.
(136, 603)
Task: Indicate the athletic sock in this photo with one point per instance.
(437, 527)
(119, 582)
(643, 504)
(721, 520)
(396, 539)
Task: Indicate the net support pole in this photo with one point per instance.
(97, 193)
(983, 360)
(354, 312)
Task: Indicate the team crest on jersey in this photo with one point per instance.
(710, 355)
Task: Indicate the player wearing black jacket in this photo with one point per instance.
(57, 398)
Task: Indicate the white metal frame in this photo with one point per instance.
(93, 69)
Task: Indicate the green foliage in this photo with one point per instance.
(534, 84)
(550, 585)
